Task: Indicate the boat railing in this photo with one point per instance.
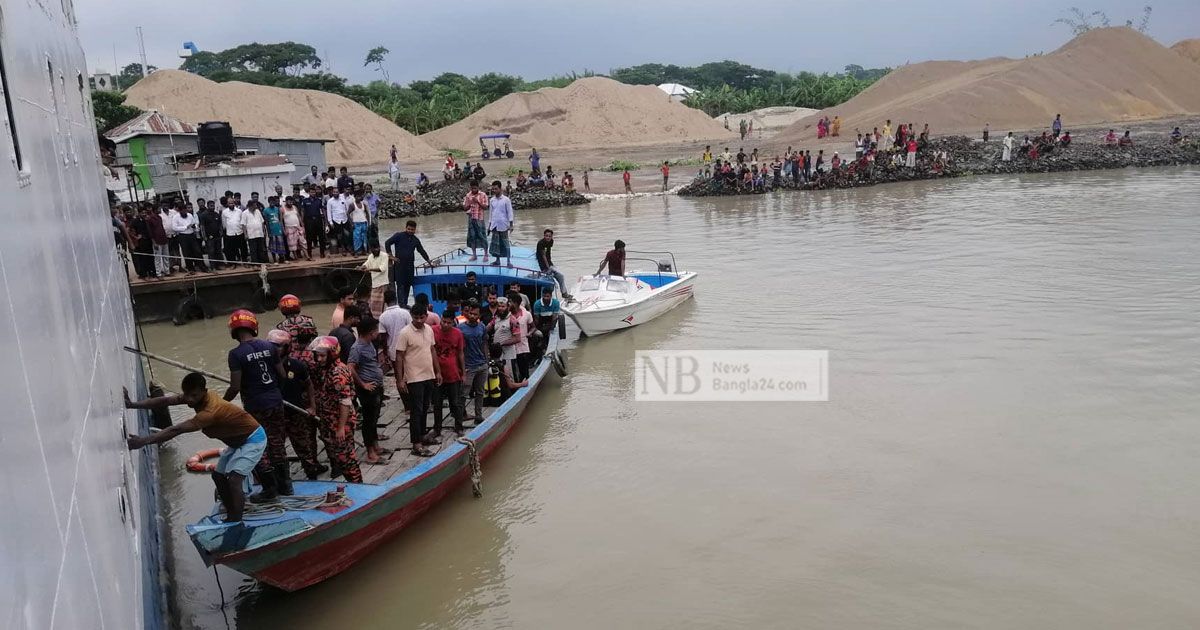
(674, 266)
(438, 267)
(657, 269)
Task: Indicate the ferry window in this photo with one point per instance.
(50, 73)
(10, 120)
(591, 284)
(82, 96)
(441, 292)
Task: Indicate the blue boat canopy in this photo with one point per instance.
(492, 136)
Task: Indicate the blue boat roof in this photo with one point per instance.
(453, 267)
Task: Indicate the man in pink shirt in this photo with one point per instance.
(475, 203)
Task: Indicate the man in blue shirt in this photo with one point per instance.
(255, 371)
(313, 208)
(475, 358)
(403, 247)
(545, 314)
(372, 200)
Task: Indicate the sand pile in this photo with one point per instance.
(1189, 48)
(1104, 75)
(768, 119)
(361, 136)
(595, 111)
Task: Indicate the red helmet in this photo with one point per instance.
(289, 302)
(242, 318)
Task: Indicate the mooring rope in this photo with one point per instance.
(476, 469)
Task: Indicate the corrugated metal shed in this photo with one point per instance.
(149, 123)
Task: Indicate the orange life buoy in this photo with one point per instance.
(196, 462)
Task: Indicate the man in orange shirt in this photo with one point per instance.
(625, 177)
(666, 171)
(245, 440)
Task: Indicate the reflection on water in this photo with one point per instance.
(1009, 440)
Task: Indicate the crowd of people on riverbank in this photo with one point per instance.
(799, 168)
(328, 212)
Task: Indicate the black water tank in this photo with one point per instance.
(215, 138)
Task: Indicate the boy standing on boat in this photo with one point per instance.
(475, 357)
(614, 260)
(449, 345)
(245, 439)
(474, 204)
(500, 222)
(368, 383)
(417, 373)
(520, 316)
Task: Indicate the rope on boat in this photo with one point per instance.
(294, 503)
(476, 469)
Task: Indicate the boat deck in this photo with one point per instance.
(393, 435)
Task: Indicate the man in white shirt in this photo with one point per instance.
(377, 264)
(394, 173)
(184, 225)
(506, 333)
(235, 238)
(500, 222)
(253, 228)
(392, 321)
(339, 222)
(168, 214)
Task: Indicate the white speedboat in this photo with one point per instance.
(604, 303)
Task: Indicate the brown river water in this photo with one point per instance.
(1011, 438)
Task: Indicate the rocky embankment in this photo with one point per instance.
(956, 156)
(448, 196)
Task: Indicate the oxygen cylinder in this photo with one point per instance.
(493, 380)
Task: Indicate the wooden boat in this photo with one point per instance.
(300, 544)
(604, 303)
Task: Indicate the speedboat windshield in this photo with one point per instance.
(591, 284)
(618, 285)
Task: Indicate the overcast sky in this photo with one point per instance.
(538, 38)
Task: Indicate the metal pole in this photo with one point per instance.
(142, 47)
(189, 368)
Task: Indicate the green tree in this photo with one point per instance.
(284, 58)
(110, 110)
(376, 56)
(492, 85)
(130, 74)
(204, 63)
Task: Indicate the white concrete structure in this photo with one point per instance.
(258, 174)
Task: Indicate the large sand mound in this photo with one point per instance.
(1189, 48)
(361, 136)
(1104, 75)
(595, 111)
